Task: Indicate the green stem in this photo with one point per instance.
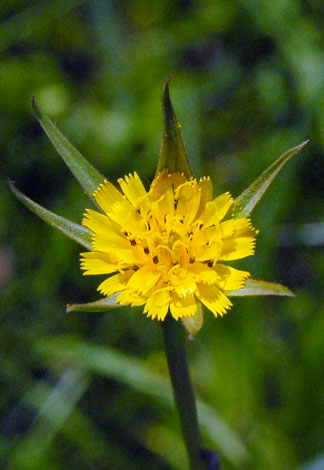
(174, 336)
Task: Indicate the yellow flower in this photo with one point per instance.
(163, 247)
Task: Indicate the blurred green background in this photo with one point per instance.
(91, 391)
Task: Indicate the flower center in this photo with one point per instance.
(172, 244)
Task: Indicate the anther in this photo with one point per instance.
(155, 260)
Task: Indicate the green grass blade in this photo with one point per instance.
(72, 230)
(245, 203)
(55, 408)
(134, 373)
(88, 177)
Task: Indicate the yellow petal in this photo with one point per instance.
(182, 281)
(177, 179)
(125, 258)
(162, 196)
(144, 279)
(216, 209)
(109, 243)
(164, 206)
(238, 239)
(133, 189)
(213, 298)
(94, 220)
(198, 242)
(131, 297)
(163, 182)
(213, 245)
(203, 273)
(107, 232)
(144, 205)
(234, 228)
(94, 262)
(230, 278)
(213, 233)
(210, 253)
(222, 203)
(115, 283)
(127, 217)
(180, 253)
(237, 248)
(165, 256)
(160, 185)
(182, 307)
(206, 195)
(187, 197)
(107, 195)
(157, 305)
(98, 222)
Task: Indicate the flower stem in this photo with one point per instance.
(174, 336)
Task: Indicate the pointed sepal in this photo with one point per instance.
(172, 154)
(245, 203)
(77, 232)
(102, 305)
(195, 323)
(259, 287)
(88, 177)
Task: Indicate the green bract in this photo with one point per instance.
(173, 154)
(245, 203)
(172, 157)
(77, 232)
(88, 177)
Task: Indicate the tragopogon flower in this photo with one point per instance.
(163, 247)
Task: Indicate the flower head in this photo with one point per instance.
(163, 248)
